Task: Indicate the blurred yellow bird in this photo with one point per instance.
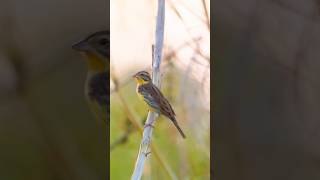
(153, 97)
(96, 50)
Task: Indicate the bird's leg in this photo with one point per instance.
(149, 124)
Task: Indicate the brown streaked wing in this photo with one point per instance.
(165, 107)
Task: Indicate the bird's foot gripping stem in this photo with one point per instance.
(147, 153)
(148, 125)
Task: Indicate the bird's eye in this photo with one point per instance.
(103, 41)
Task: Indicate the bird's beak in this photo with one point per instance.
(81, 46)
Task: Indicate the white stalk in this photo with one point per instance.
(145, 149)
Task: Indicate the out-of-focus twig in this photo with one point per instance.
(123, 139)
(188, 8)
(194, 40)
(205, 8)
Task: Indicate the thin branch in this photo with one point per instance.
(144, 150)
(187, 7)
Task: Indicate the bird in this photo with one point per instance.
(96, 50)
(154, 99)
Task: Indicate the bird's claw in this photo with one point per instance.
(146, 154)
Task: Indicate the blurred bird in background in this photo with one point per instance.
(96, 50)
(153, 97)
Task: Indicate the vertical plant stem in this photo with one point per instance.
(144, 150)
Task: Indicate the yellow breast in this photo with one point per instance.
(95, 63)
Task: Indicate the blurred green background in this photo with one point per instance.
(46, 129)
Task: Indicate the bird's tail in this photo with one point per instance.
(178, 127)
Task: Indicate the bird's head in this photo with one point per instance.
(142, 77)
(96, 47)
